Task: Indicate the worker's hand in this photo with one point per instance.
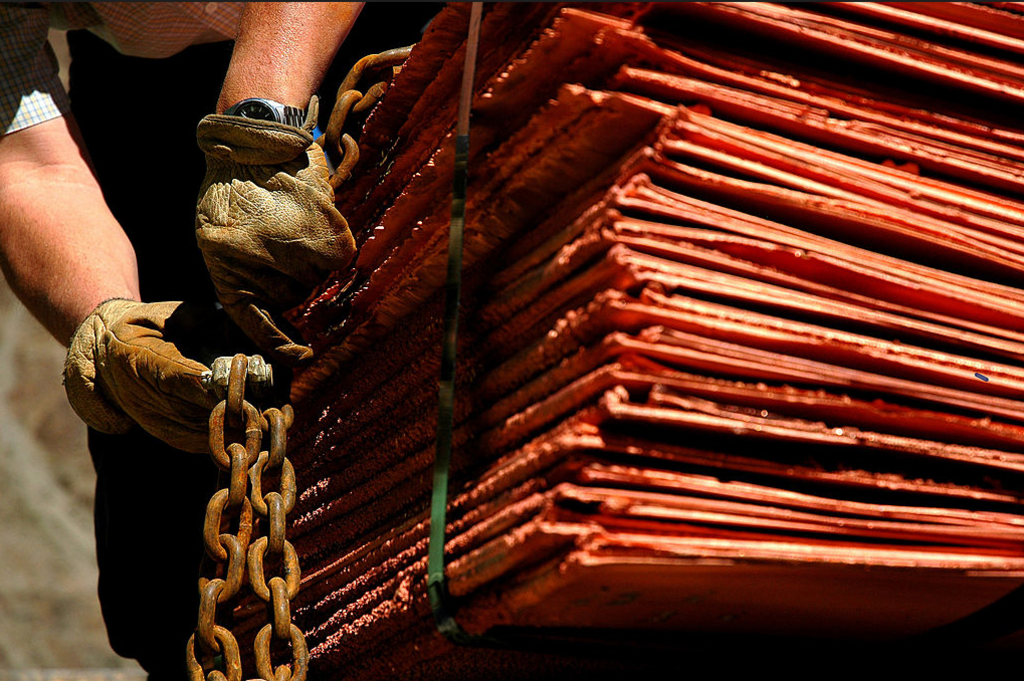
(267, 225)
(123, 369)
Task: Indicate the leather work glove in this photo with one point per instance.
(267, 225)
(122, 369)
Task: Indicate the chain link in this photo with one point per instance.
(233, 516)
(336, 143)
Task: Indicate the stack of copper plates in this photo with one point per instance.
(741, 339)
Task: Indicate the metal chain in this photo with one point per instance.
(339, 145)
(232, 520)
(236, 510)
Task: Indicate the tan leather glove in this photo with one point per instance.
(121, 369)
(267, 225)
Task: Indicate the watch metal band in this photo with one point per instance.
(293, 116)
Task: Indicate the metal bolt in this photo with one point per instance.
(259, 376)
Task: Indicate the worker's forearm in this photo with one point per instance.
(60, 248)
(283, 50)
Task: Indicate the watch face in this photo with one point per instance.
(256, 109)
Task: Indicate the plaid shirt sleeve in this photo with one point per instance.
(30, 91)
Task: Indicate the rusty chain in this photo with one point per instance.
(336, 143)
(235, 511)
(232, 520)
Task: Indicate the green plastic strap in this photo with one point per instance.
(437, 587)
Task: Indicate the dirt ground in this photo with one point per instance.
(49, 613)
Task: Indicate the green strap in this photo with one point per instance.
(437, 587)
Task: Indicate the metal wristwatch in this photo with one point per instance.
(268, 110)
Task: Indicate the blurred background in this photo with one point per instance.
(50, 622)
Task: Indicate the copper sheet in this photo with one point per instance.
(979, 15)
(955, 202)
(766, 332)
(733, 156)
(667, 350)
(901, 53)
(502, 555)
(816, 124)
(913, 15)
(873, 226)
(849, 93)
(880, 276)
(647, 478)
(322, 538)
(738, 596)
(355, 445)
(737, 280)
(608, 381)
(638, 511)
(749, 79)
(838, 480)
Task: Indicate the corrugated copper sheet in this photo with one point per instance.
(740, 351)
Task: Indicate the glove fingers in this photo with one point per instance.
(152, 381)
(330, 246)
(235, 285)
(151, 368)
(122, 369)
(181, 425)
(268, 335)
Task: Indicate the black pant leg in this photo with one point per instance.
(150, 504)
